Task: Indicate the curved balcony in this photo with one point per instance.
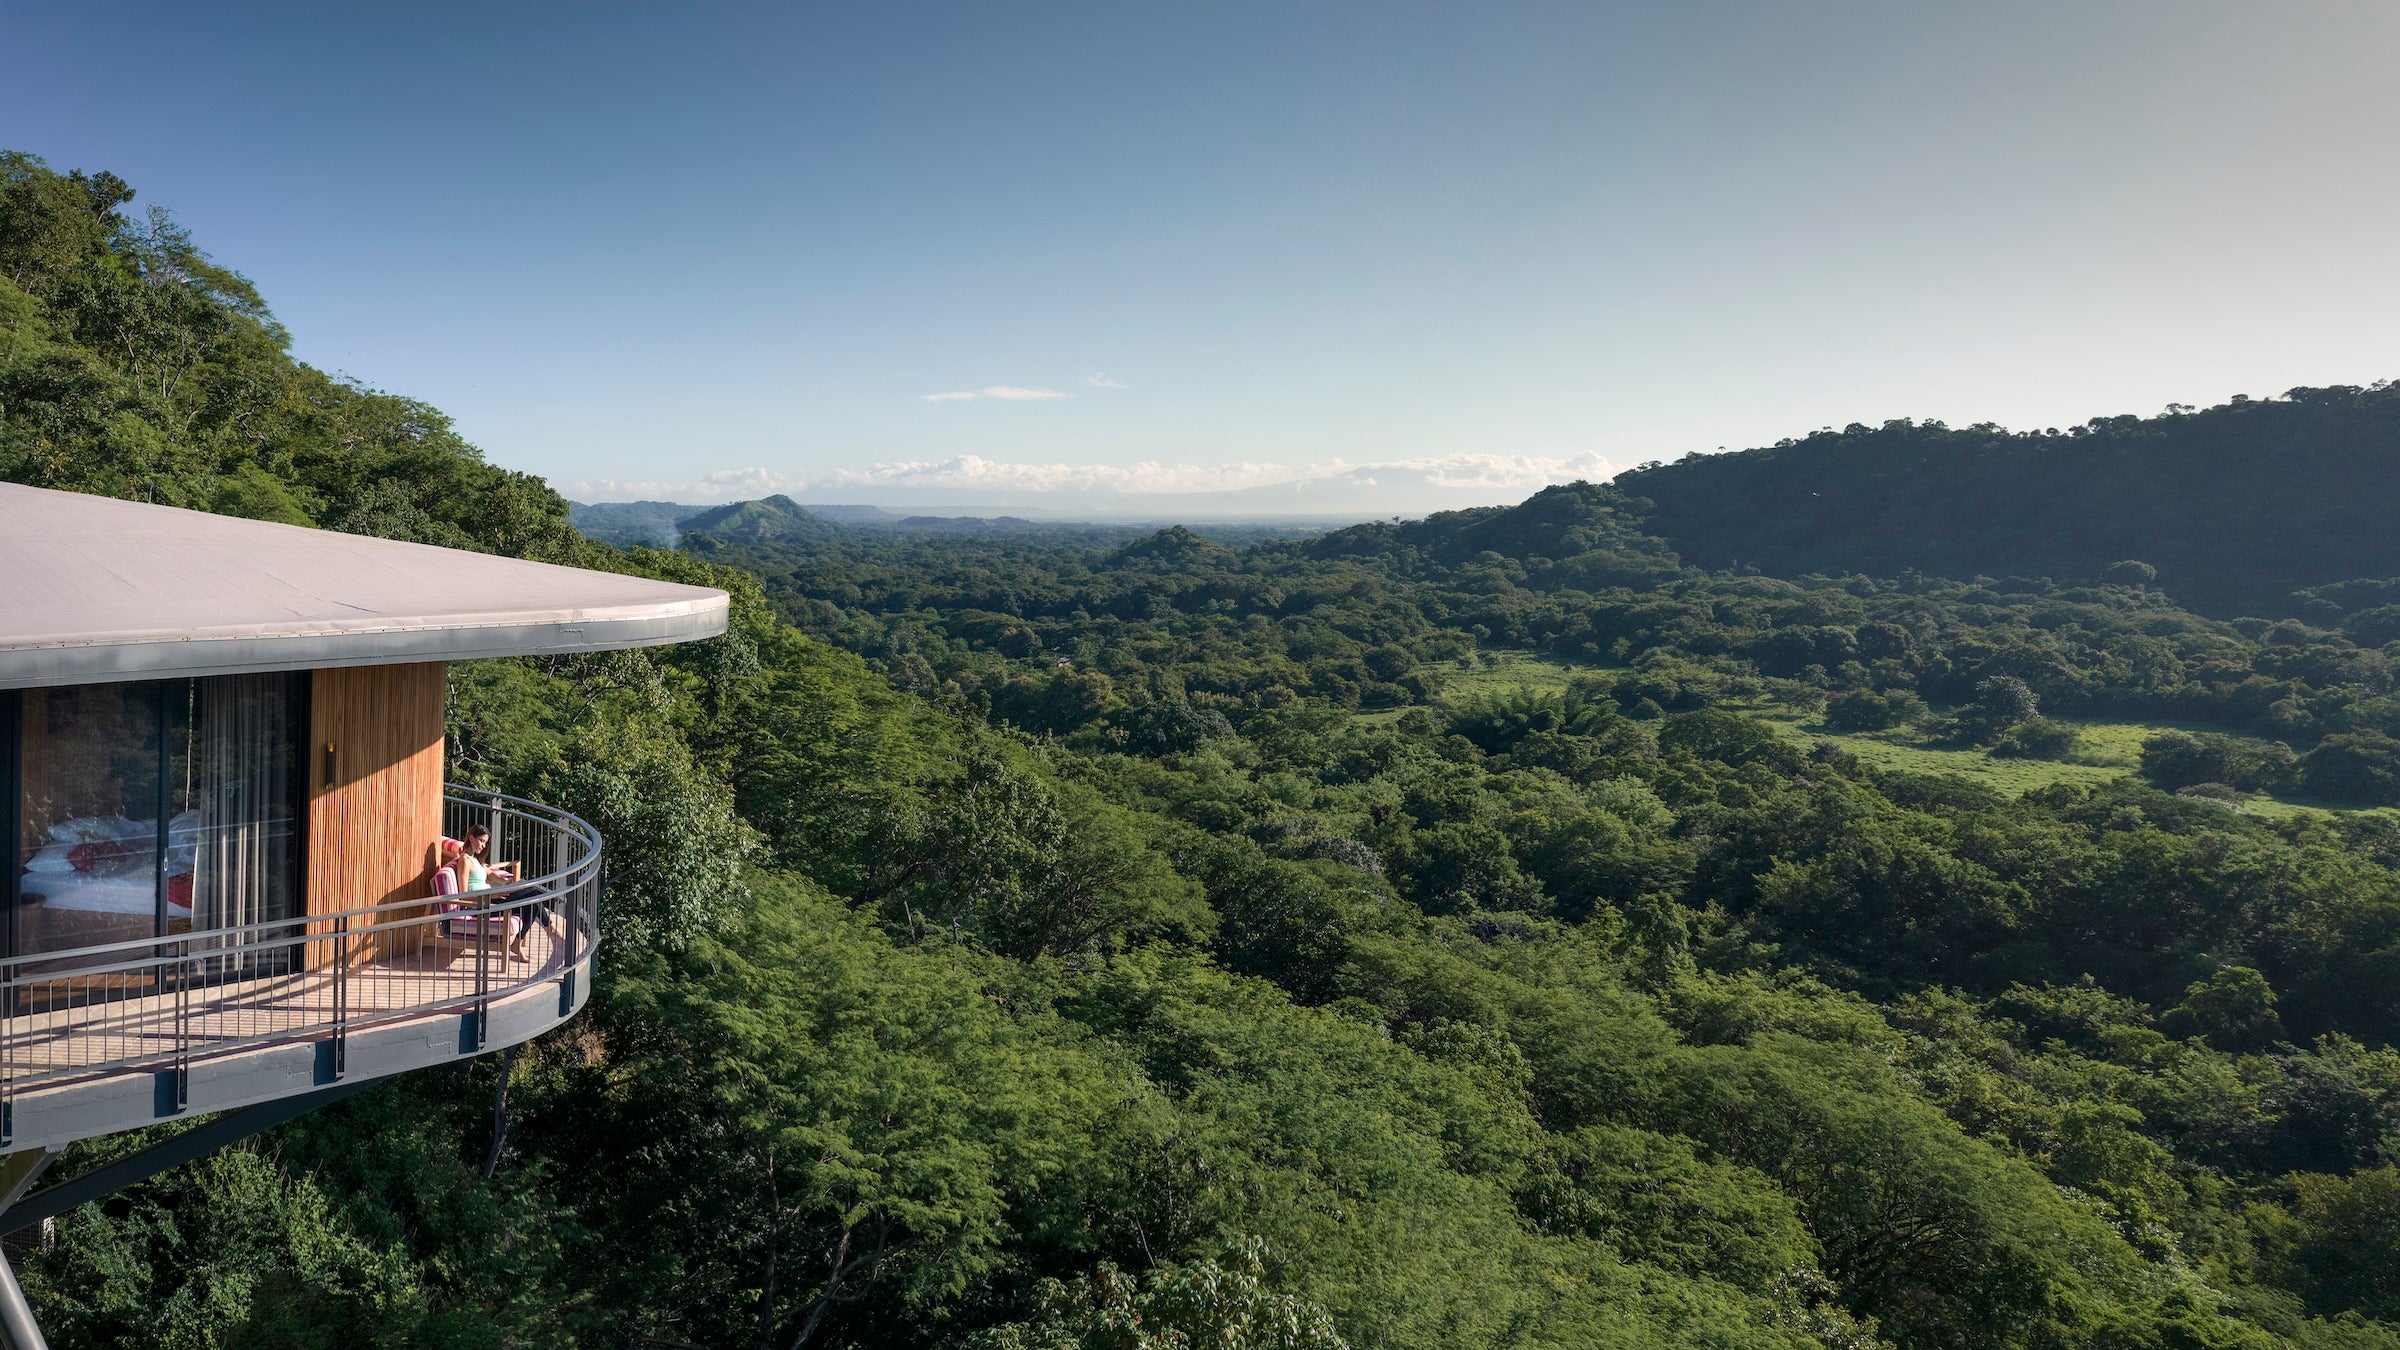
(113, 1037)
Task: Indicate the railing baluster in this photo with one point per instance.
(341, 997)
(483, 976)
(8, 1058)
(183, 1027)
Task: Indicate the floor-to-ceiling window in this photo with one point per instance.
(155, 808)
(243, 787)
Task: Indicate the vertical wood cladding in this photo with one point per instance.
(375, 799)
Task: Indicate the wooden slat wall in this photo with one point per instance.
(371, 828)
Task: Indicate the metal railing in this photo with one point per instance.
(161, 1003)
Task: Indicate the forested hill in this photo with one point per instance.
(132, 365)
(2237, 506)
(663, 524)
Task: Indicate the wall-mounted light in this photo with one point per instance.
(329, 764)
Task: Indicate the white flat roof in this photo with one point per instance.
(93, 589)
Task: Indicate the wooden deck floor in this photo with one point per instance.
(76, 1023)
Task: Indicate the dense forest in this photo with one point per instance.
(1501, 929)
(2236, 506)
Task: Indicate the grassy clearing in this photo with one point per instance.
(2113, 745)
(1505, 671)
(1901, 751)
(2104, 751)
(1508, 670)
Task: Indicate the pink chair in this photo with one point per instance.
(460, 922)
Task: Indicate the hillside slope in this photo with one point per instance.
(2236, 506)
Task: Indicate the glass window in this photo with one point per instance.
(158, 808)
(88, 826)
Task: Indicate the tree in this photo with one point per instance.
(2361, 767)
(2373, 627)
(1030, 868)
(2001, 702)
(52, 223)
(830, 1122)
(675, 847)
(2345, 1232)
(1166, 726)
(2233, 1009)
(1207, 1305)
(2180, 759)
(1857, 710)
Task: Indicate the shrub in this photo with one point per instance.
(2037, 738)
(2362, 766)
(1496, 722)
(2178, 759)
(1866, 710)
(1858, 710)
(2001, 702)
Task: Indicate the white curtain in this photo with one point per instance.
(246, 865)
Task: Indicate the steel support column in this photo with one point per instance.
(18, 1330)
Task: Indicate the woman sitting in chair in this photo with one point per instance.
(457, 872)
(479, 875)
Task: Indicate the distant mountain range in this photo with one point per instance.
(780, 520)
(2232, 509)
(1322, 500)
(663, 524)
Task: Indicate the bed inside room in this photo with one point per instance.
(101, 766)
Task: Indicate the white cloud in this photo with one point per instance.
(1006, 393)
(974, 471)
(1151, 477)
(1098, 379)
(735, 483)
(745, 480)
(972, 484)
(1503, 471)
(627, 489)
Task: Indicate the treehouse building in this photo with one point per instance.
(221, 811)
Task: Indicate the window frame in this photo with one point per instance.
(12, 801)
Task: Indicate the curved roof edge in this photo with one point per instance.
(94, 590)
(37, 667)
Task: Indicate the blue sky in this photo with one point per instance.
(1342, 259)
